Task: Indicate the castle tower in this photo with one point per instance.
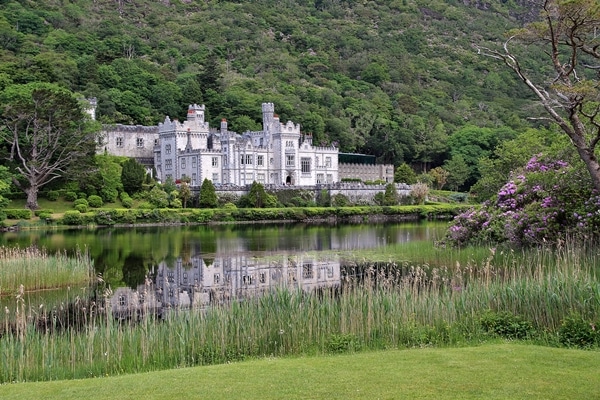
(268, 110)
(196, 113)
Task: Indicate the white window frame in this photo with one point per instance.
(305, 165)
(290, 160)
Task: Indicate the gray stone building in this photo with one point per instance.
(279, 154)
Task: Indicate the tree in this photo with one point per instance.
(46, 131)
(458, 172)
(568, 34)
(440, 176)
(185, 193)
(208, 196)
(513, 154)
(4, 187)
(390, 197)
(405, 174)
(106, 179)
(257, 197)
(132, 176)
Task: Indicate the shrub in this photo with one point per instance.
(458, 197)
(324, 198)
(82, 195)
(126, 200)
(43, 211)
(82, 208)
(72, 217)
(506, 325)
(575, 331)
(18, 213)
(419, 192)
(103, 217)
(542, 203)
(95, 201)
(80, 201)
(45, 216)
(176, 203)
(70, 196)
(342, 343)
(158, 197)
(339, 200)
(52, 195)
(229, 206)
(145, 205)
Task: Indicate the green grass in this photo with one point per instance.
(495, 371)
(58, 206)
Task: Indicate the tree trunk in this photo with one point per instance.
(586, 151)
(32, 197)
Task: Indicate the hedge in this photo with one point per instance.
(18, 213)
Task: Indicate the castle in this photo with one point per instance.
(279, 154)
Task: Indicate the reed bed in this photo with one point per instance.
(394, 307)
(33, 269)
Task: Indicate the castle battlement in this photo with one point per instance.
(130, 128)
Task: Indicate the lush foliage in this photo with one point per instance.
(394, 79)
(208, 196)
(44, 133)
(132, 176)
(544, 202)
(257, 197)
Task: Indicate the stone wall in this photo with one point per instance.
(357, 193)
(367, 172)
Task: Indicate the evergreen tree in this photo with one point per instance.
(208, 196)
(132, 176)
(390, 197)
(259, 198)
(458, 172)
(405, 174)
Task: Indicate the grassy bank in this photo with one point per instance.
(387, 308)
(107, 216)
(496, 371)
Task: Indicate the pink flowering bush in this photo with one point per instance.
(543, 202)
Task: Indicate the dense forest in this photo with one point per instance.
(398, 79)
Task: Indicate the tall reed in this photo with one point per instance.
(392, 307)
(35, 269)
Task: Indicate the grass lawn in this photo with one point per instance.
(492, 371)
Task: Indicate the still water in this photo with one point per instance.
(189, 265)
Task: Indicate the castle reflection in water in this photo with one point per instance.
(201, 282)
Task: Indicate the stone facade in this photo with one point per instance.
(367, 172)
(134, 141)
(279, 154)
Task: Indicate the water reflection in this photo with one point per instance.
(130, 259)
(194, 283)
(124, 256)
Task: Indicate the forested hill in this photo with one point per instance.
(393, 78)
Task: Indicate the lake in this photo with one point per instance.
(198, 265)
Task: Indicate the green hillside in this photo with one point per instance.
(390, 78)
